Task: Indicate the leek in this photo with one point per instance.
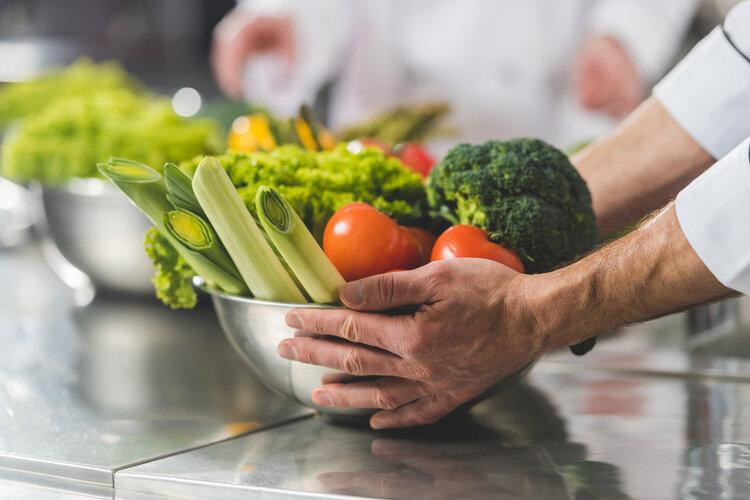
(256, 261)
(145, 188)
(197, 234)
(180, 189)
(297, 246)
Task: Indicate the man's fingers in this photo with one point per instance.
(377, 330)
(427, 410)
(390, 291)
(350, 358)
(387, 393)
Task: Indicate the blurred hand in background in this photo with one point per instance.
(606, 79)
(239, 37)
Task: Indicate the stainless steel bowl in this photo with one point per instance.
(97, 231)
(255, 328)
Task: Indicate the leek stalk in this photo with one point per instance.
(256, 261)
(197, 234)
(180, 189)
(297, 246)
(145, 188)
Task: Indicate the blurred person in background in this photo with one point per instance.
(561, 70)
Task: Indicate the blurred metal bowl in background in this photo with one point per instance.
(92, 228)
(255, 328)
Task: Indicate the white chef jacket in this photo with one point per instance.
(708, 93)
(505, 65)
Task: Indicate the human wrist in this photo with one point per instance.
(562, 303)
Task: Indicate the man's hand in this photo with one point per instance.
(239, 37)
(469, 325)
(475, 321)
(606, 78)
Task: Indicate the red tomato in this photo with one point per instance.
(415, 157)
(464, 241)
(361, 241)
(426, 242)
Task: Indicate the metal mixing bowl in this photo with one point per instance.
(97, 230)
(255, 328)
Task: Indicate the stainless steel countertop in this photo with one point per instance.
(114, 393)
(562, 435)
(87, 391)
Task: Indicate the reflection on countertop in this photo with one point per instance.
(592, 434)
(86, 391)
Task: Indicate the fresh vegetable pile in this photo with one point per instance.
(524, 193)
(70, 136)
(18, 100)
(314, 183)
(407, 123)
(291, 224)
(205, 221)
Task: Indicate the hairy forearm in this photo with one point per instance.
(640, 167)
(650, 272)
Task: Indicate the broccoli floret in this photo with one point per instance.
(524, 192)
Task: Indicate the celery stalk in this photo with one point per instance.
(145, 188)
(256, 261)
(197, 234)
(313, 269)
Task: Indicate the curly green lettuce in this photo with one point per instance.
(317, 184)
(173, 276)
(68, 138)
(83, 77)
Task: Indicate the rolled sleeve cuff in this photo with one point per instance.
(714, 213)
(708, 94)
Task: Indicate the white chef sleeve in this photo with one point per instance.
(714, 213)
(708, 93)
(650, 31)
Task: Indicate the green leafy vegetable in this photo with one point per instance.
(316, 184)
(259, 266)
(174, 277)
(524, 192)
(82, 78)
(69, 137)
(313, 269)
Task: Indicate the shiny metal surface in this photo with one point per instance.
(255, 328)
(713, 342)
(559, 435)
(16, 216)
(87, 391)
(99, 232)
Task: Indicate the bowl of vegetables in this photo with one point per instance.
(93, 236)
(270, 231)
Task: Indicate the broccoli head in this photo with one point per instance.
(524, 193)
